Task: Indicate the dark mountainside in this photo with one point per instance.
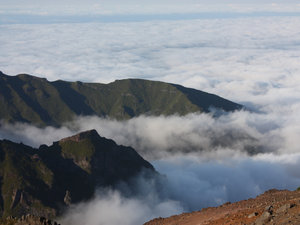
(25, 98)
(44, 181)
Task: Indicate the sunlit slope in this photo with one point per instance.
(31, 99)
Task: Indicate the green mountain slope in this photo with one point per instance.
(35, 100)
(44, 181)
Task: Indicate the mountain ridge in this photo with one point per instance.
(30, 99)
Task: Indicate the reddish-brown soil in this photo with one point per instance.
(272, 207)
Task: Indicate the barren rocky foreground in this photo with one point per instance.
(27, 220)
(273, 207)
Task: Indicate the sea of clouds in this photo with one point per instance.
(207, 161)
(254, 57)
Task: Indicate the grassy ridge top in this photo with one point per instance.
(35, 100)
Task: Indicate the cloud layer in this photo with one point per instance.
(159, 137)
(111, 208)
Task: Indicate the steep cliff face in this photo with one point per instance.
(35, 100)
(44, 181)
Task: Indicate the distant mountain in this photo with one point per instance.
(44, 181)
(35, 100)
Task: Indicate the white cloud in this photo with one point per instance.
(111, 208)
(158, 137)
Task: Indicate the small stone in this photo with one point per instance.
(67, 198)
(253, 214)
(265, 217)
(283, 208)
(269, 209)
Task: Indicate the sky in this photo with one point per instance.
(245, 51)
(104, 7)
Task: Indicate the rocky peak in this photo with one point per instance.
(45, 181)
(89, 134)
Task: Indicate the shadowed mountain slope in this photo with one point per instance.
(26, 98)
(44, 181)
